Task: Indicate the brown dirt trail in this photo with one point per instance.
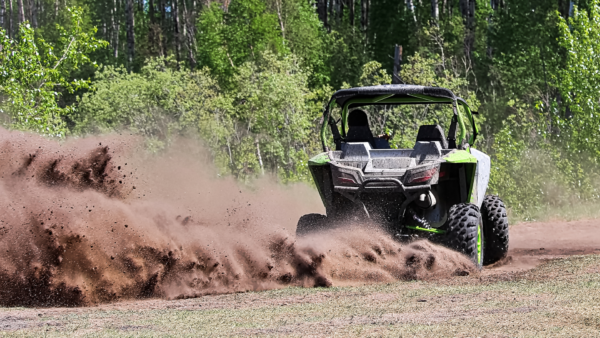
(534, 243)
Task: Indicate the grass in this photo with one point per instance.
(560, 298)
(577, 211)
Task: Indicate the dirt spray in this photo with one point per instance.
(96, 220)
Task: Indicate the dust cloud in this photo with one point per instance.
(98, 220)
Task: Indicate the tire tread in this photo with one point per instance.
(495, 225)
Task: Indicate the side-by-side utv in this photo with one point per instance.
(436, 190)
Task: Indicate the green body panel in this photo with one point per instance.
(432, 230)
(460, 156)
(321, 159)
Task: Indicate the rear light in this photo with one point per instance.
(347, 181)
(421, 176)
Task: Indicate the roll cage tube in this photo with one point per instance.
(416, 99)
(326, 117)
(466, 107)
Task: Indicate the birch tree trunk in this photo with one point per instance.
(260, 161)
(21, 11)
(435, 11)
(115, 29)
(364, 14)
(10, 19)
(281, 25)
(175, 13)
(191, 37)
(105, 29)
(163, 25)
(34, 13)
(411, 8)
(130, 31)
(2, 12)
(56, 3)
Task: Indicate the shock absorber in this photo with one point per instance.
(422, 222)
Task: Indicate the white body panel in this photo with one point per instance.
(482, 175)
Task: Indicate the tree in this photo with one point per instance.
(228, 39)
(33, 70)
(580, 79)
(21, 11)
(10, 19)
(276, 115)
(130, 32)
(177, 38)
(115, 27)
(2, 12)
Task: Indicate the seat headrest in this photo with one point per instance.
(430, 133)
(358, 118)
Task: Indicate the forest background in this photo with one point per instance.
(249, 79)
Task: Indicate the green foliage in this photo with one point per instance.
(373, 75)
(580, 79)
(265, 69)
(228, 39)
(404, 121)
(34, 71)
(346, 54)
(158, 103)
(306, 38)
(544, 155)
(272, 97)
(269, 115)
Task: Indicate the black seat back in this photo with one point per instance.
(432, 133)
(358, 128)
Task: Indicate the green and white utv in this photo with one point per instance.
(435, 190)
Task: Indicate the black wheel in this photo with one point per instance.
(495, 229)
(464, 232)
(309, 223)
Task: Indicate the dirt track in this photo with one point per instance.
(534, 243)
(535, 292)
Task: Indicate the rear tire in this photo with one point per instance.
(464, 232)
(310, 223)
(495, 229)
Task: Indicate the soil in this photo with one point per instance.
(429, 307)
(534, 243)
(91, 222)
